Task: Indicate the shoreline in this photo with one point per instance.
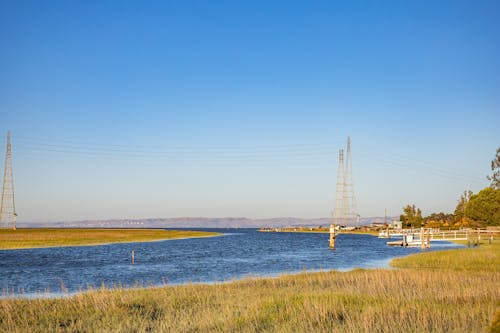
(109, 243)
(249, 277)
(245, 278)
(359, 300)
(371, 233)
(202, 234)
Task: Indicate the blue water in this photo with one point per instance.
(236, 254)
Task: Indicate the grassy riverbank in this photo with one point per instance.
(31, 238)
(484, 258)
(447, 291)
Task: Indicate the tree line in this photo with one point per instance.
(472, 211)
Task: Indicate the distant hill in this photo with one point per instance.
(195, 222)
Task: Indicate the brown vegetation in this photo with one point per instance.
(424, 298)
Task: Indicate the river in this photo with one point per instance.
(236, 254)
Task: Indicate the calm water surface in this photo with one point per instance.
(236, 254)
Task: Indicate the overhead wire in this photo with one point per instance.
(212, 155)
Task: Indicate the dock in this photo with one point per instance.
(423, 237)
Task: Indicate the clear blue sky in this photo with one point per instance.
(127, 109)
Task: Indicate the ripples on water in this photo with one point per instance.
(236, 254)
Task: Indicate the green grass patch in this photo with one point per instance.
(485, 257)
(33, 238)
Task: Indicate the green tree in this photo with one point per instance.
(459, 216)
(412, 216)
(495, 167)
(484, 207)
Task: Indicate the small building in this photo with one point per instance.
(396, 224)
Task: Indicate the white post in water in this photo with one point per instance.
(422, 239)
(332, 236)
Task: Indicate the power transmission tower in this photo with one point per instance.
(351, 209)
(346, 210)
(339, 210)
(8, 207)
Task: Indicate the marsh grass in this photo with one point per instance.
(459, 297)
(485, 257)
(46, 237)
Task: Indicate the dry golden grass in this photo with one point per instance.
(423, 298)
(357, 301)
(30, 238)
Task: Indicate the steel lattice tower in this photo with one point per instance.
(351, 209)
(8, 207)
(346, 211)
(338, 212)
